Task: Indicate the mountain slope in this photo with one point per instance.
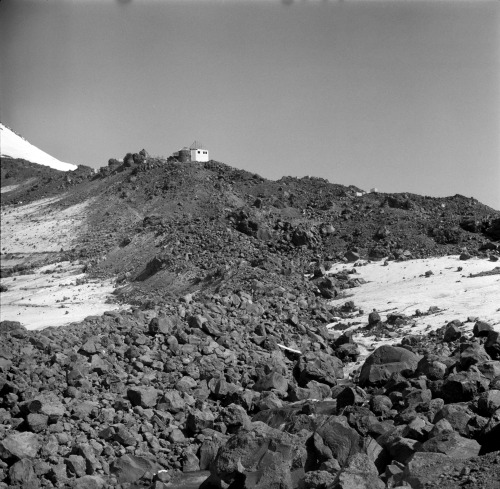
(14, 146)
(242, 342)
(169, 228)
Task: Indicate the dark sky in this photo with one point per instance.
(402, 96)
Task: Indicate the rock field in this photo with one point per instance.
(240, 356)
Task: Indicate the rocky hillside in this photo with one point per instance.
(224, 373)
(165, 228)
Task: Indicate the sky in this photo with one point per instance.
(401, 96)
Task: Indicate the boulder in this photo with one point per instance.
(493, 231)
(360, 473)
(463, 386)
(453, 445)
(352, 256)
(385, 361)
(161, 325)
(452, 332)
(50, 405)
(317, 479)
(20, 445)
(22, 474)
(441, 426)
(490, 369)
(130, 468)
(342, 440)
(271, 381)
(37, 422)
(380, 404)
(320, 367)
(418, 429)
(457, 415)
(350, 396)
(145, 397)
(89, 482)
(199, 420)
(490, 434)
(492, 345)
(190, 462)
(432, 367)
(481, 329)
(171, 401)
(262, 456)
(8, 326)
(401, 449)
(208, 451)
(76, 465)
(489, 402)
(235, 417)
(472, 354)
(373, 318)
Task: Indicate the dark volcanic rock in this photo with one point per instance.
(145, 397)
(385, 361)
(492, 345)
(453, 445)
(463, 386)
(265, 455)
(7, 326)
(23, 474)
(482, 329)
(319, 366)
(20, 445)
(130, 468)
(339, 437)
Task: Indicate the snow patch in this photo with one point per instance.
(39, 227)
(403, 287)
(55, 295)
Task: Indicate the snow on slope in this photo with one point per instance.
(403, 287)
(16, 147)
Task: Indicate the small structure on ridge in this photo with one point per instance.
(195, 152)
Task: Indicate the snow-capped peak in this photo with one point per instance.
(15, 146)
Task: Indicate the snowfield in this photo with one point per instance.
(16, 147)
(403, 287)
(54, 295)
(40, 227)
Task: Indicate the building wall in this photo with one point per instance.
(199, 155)
(184, 155)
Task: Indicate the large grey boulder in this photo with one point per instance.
(385, 361)
(20, 445)
(360, 473)
(342, 440)
(492, 345)
(130, 468)
(145, 397)
(262, 455)
(320, 367)
(463, 386)
(453, 445)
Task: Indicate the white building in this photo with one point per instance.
(198, 152)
